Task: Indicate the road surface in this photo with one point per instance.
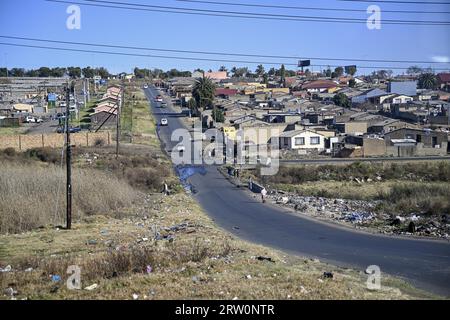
(423, 263)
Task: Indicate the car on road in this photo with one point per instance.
(164, 122)
(159, 98)
(145, 86)
(71, 130)
(163, 104)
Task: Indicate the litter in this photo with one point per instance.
(56, 278)
(8, 268)
(149, 269)
(91, 287)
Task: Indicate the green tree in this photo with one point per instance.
(283, 75)
(57, 72)
(218, 115)
(260, 70)
(414, 70)
(192, 105)
(427, 81)
(44, 72)
(342, 100)
(272, 72)
(3, 72)
(103, 73)
(339, 71)
(74, 72)
(88, 72)
(223, 68)
(17, 72)
(265, 78)
(328, 73)
(203, 93)
(351, 70)
(352, 83)
(32, 73)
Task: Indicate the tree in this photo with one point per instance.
(260, 70)
(342, 100)
(203, 93)
(32, 73)
(339, 71)
(239, 72)
(44, 72)
(265, 78)
(139, 73)
(3, 72)
(328, 73)
(103, 73)
(88, 72)
(57, 72)
(272, 72)
(352, 83)
(223, 68)
(218, 115)
(283, 75)
(351, 70)
(192, 105)
(74, 72)
(427, 81)
(414, 70)
(17, 72)
(334, 75)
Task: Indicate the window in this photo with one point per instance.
(300, 141)
(315, 140)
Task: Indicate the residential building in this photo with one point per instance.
(302, 140)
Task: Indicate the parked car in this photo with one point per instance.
(71, 130)
(30, 119)
(145, 86)
(164, 122)
(159, 98)
(163, 104)
(38, 120)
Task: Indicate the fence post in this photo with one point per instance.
(42, 140)
(20, 143)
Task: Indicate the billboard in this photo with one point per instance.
(51, 97)
(304, 63)
(347, 68)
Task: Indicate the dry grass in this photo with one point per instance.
(202, 262)
(32, 195)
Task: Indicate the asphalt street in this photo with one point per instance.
(424, 263)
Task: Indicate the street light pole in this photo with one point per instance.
(68, 164)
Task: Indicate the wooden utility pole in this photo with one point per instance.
(68, 164)
(119, 110)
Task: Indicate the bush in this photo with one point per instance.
(49, 155)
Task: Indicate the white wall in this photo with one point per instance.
(307, 135)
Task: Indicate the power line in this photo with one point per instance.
(399, 2)
(217, 53)
(252, 5)
(192, 58)
(246, 15)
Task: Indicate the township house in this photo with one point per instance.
(105, 113)
(302, 140)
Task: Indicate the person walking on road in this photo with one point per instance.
(263, 195)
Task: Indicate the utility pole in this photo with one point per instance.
(68, 164)
(119, 109)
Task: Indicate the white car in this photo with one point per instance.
(30, 119)
(145, 86)
(164, 122)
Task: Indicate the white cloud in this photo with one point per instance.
(441, 59)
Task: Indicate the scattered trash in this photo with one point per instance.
(28, 269)
(248, 276)
(195, 279)
(91, 287)
(92, 242)
(56, 278)
(8, 268)
(320, 280)
(148, 269)
(135, 296)
(235, 298)
(328, 275)
(411, 227)
(10, 292)
(303, 290)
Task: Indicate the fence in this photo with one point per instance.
(54, 140)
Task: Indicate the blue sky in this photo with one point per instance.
(42, 19)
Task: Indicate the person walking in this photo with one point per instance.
(263, 195)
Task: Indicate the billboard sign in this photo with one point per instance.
(304, 63)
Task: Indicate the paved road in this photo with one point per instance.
(48, 126)
(424, 263)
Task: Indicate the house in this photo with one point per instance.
(423, 142)
(396, 99)
(408, 88)
(218, 75)
(352, 127)
(106, 117)
(302, 140)
(282, 117)
(367, 95)
(388, 125)
(22, 107)
(225, 93)
(444, 81)
(320, 86)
